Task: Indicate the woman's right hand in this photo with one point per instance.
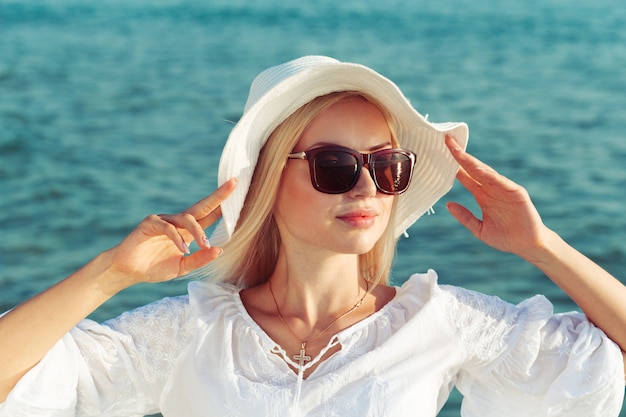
(157, 250)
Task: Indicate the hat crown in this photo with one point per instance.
(267, 80)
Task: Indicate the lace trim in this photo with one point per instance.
(155, 335)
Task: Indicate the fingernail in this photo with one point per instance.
(205, 242)
(187, 251)
(221, 251)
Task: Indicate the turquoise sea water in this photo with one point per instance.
(113, 110)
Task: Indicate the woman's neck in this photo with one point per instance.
(306, 301)
(314, 290)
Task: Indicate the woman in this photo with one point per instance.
(332, 165)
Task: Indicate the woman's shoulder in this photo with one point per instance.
(425, 288)
(177, 311)
(208, 298)
(173, 311)
(469, 314)
(422, 289)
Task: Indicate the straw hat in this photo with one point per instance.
(279, 91)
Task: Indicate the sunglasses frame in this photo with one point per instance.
(363, 159)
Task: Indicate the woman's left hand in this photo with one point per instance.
(510, 222)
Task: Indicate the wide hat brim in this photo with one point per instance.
(279, 91)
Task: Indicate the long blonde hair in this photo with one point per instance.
(251, 253)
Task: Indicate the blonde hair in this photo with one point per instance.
(250, 255)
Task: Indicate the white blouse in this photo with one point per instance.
(202, 355)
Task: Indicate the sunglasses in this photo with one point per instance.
(336, 170)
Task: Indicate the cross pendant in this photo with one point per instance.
(302, 357)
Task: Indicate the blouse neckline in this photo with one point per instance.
(343, 336)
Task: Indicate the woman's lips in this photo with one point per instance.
(360, 218)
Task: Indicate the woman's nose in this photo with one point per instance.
(365, 186)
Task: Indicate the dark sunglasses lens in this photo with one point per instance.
(335, 171)
(393, 172)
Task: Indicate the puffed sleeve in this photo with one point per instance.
(117, 368)
(523, 360)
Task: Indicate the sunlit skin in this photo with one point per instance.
(316, 278)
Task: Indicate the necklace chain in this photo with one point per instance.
(302, 357)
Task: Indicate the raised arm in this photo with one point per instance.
(155, 251)
(511, 223)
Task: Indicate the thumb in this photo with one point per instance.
(199, 259)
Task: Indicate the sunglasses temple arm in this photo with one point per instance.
(297, 155)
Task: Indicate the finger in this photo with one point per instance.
(198, 259)
(158, 226)
(468, 181)
(465, 217)
(188, 227)
(473, 172)
(208, 205)
(473, 165)
(196, 218)
(211, 218)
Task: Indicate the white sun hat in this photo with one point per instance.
(279, 91)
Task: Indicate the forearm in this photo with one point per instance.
(30, 330)
(600, 295)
